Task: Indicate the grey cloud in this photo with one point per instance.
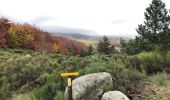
(59, 29)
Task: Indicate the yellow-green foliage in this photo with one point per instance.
(18, 35)
(23, 72)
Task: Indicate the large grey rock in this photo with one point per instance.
(90, 86)
(114, 95)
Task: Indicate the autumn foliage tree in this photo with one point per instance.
(30, 37)
(4, 27)
(19, 34)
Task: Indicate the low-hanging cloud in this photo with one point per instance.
(59, 29)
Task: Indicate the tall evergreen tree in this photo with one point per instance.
(90, 50)
(156, 23)
(165, 41)
(104, 46)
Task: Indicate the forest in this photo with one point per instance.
(31, 60)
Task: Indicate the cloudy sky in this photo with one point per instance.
(92, 17)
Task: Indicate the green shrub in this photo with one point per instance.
(152, 62)
(167, 63)
(60, 96)
(161, 79)
(133, 74)
(47, 92)
(73, 62)
(26, 72)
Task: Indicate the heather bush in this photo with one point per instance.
(151, 62)
(22, 73)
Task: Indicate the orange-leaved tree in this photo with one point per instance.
(4, 26)
(18, 34)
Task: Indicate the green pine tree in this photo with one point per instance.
(90, 50)
(104, 46)
(155, 26)
(83, 53)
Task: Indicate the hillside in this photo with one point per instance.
(79, 36)
(74, 35)
(14, 35)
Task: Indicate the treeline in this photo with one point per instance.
(14, 35)
(154, 34)
(104, 46)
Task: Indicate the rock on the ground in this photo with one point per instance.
(90, 86)
(28, 55)
(114, 95)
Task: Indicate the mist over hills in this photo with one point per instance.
(80, 36)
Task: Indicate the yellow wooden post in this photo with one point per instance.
(69, 82)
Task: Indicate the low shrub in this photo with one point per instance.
(60, 96)
(151, 62)
(133, 75)
(161, 79)
(46, 92)
(22, 73)
(167, 63)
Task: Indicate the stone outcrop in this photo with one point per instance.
(90, 86)
(114, 95)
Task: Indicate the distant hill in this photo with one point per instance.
(75, 36)
(80, 36)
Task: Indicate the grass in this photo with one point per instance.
(22, 97)
(157, 87)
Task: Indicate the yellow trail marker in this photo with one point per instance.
(69, 81)
(70, 74)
